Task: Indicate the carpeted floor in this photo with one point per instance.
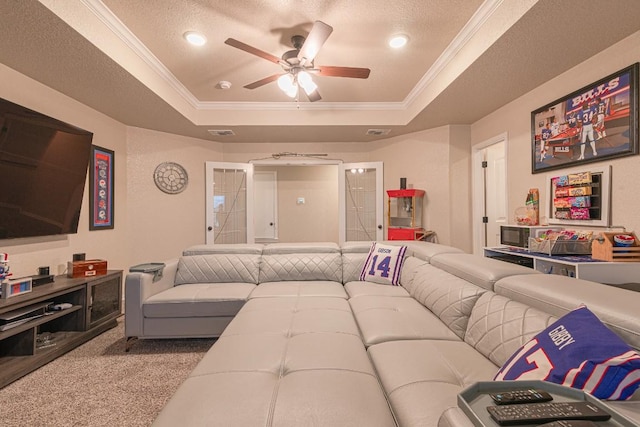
(98, 384)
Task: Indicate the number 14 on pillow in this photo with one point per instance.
(383, 264)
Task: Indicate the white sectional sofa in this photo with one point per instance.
(303, 342)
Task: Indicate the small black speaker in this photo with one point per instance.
(79, 257)
(403, 183)
(43, 271)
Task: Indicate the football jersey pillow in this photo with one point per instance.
(578, 351)
(383, 264)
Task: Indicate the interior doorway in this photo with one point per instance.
(265, 188)
(301, 201)
(489, 192)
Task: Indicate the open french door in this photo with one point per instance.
(229, 203)
(361, 202)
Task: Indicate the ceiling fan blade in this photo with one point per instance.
(252, 50)
(356, 73)
(316, 38)
(263, 82)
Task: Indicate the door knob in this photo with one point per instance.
(271, 224)
(209, 228)
(379, 227)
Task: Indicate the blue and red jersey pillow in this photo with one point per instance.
(578, 351)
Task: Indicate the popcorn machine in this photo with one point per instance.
(404, 214)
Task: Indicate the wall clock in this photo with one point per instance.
(170, 177)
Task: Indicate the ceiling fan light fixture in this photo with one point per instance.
(195, 39)
(398, 41)
(287, 85)
(307, 83)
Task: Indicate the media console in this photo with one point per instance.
(31, 334)
(621, 274)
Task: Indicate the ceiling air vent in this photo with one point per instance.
(378, 132)
(221, 132)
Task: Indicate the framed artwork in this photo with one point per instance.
(101, 188)
(597, 122)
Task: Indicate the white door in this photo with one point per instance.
(229, 203)
(489, 192)
(361, 202)
(265, 197)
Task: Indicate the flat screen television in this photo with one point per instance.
(43, 170)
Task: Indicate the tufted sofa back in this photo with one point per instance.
(301, 262)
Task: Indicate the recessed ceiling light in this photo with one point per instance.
(194, 38)
(398, 41)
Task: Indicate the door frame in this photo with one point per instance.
(274, 174)
(478, 187)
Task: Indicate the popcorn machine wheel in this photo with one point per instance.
(404, 215)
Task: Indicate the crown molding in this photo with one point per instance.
(113, 23)
(460, 40)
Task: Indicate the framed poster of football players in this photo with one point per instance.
(101, 188)
(594, 123)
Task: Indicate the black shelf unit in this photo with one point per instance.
(20, 350)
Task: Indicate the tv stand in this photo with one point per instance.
(31, 336)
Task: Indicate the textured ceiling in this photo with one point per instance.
(465, 58)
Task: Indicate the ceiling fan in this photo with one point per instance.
(298, 63)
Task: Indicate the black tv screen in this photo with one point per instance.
(43, 169)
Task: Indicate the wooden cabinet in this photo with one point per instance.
(32, 335)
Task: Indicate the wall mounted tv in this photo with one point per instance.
(43, 169)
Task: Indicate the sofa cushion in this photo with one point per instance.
(356, 289)
(557, 295)
(198, 300)
(578, 351)
(294, 315)
(278, 267)
(289, 361)
(383, 319)
(499, 326)
(447, 296)
(480, 271)
(310, 288)
(383, 264)
(301, 248)
(218, 268)
(422, 378)
(224, 248)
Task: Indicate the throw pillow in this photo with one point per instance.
(578, 351)
(383, 264)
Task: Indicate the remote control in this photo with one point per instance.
(521, 396)
(570, 423)
(539, 413)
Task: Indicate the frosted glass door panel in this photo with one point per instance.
(228, 207)
(362, 202)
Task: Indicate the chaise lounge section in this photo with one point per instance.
(308, 343)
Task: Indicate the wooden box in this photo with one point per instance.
(87, 268)
(604, 248)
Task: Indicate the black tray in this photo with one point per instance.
(154, 268)
(474, 401)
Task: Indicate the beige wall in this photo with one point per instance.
(514, 119)
(317, 219)
(162, 224)
(26, 255)
(424, 158)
